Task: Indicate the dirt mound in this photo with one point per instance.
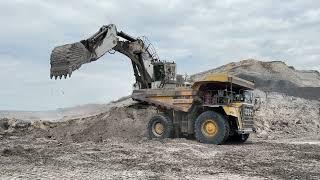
(12, 125)
(123, 122)
(123, 118)
(273, 76)
(279, 115)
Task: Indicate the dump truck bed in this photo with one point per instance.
(179, 99)
(224, 78)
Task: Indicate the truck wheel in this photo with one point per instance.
(211, 127)
(241, 138)
(160, 127)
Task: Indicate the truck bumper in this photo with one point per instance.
(246, 131)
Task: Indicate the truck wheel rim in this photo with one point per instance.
(209, 128)
(158, 129)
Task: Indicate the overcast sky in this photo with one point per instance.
(198, 35)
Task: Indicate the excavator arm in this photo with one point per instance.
(67, 58)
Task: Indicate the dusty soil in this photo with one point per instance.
(120, 158)
(113, 145)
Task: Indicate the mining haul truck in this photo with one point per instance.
(217, 108)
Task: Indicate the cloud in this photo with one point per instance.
(198, 35)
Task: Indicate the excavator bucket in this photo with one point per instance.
(67, 58)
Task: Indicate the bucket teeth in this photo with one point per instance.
(67, 58)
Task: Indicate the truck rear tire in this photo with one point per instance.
(211, 127)
(160, 126)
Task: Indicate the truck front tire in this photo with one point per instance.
(211, 127)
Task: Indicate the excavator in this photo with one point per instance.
(214, 109)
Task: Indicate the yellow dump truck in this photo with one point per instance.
(214, 109)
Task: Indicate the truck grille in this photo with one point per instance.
(247, 116)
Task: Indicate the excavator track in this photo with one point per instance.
(67, 58)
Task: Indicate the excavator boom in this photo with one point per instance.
(67, 58)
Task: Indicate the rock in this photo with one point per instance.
(40, 125)
(284, 124)
(19, 124)
(4, 124)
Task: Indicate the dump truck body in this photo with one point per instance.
(184, 104)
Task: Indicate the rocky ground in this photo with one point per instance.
(113, 145)
(140, 158)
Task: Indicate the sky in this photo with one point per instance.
(197, 34)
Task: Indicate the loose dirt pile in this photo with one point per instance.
(123, 122)
(128, 122)
(279, 116)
